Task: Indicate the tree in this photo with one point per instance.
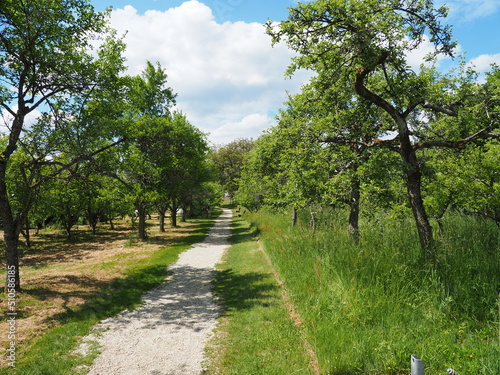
(323, 117)
(364, 44)
(229, 160)
(183, 166)
(149, 105)
(45, 55)
(149, 94)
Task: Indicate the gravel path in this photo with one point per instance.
(167, 335)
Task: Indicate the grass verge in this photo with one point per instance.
(255, 334)
(140, 269)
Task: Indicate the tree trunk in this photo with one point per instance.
(294, 217)
(410, 161)
(173, 213)
(26, 231)
(184, 213)
(141, 213)
(354, 207)
(11, 233)
(413, 185)
(162, 215)
(312, 222)
(93, 219)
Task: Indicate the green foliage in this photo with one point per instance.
(228, 160)
(149, 94)
(368, 307)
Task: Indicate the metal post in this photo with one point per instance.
(417, 366)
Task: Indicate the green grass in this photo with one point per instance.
(368, 307)
(52, 354)
(255, 334)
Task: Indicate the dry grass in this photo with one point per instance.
(57, 274)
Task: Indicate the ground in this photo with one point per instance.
(57, 274)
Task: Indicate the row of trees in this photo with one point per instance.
(367, 124)
(104, 145)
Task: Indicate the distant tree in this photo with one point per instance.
(149, 104)
(228, 160)
(181, 159)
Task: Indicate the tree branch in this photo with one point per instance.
(482, 134)
(364, 92)
(75, 161)
(392, 144)
(449, 109)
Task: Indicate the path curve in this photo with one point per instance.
(168, 333)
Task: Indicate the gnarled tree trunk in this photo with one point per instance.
(11, 233)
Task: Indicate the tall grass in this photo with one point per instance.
(368, 306)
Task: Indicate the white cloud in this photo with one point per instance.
(469, 10)
(483, 63)
(417, 57)
(251, 124)
(223, 73)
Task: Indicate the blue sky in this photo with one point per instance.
(224, 10)
(228, 78)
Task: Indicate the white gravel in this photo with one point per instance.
(168, 333)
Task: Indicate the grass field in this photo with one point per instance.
(294, 302)
(68, 286)
(367, 307)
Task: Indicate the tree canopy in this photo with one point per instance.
(361, 47)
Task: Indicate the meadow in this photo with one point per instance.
(367, 307)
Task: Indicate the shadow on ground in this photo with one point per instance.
(242, 291)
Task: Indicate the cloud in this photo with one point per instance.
(417, 57)
(483, 63)
(469, 10)
(223, 72)
(251, 124)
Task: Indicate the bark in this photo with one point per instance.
(414, 187)
(414, 183)
(26, 231)
(11, 232)
(294, 216)
(111, 225)
(93, 219)
(141, 213)
(162, 215)
(173, 213)
(312, 222)
(354, 207)
(184, 216)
